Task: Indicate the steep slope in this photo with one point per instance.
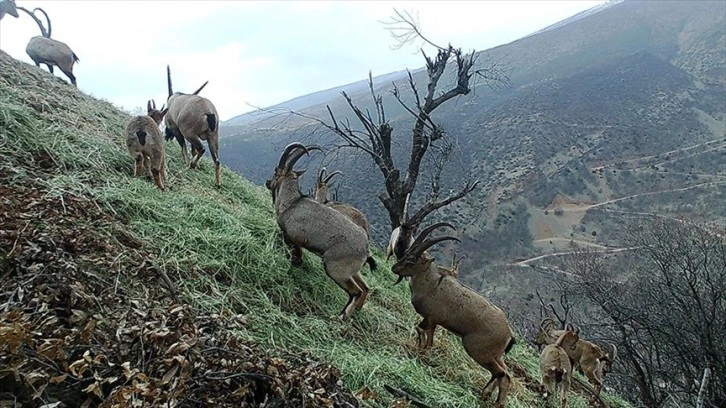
(113, 293)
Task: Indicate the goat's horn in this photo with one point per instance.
(153, 104)
(148, 105)
(400, 278)
(286, 152)
(297, 154)
(422, 236)
(331, 175)
(417, 251)
(546, 322)
(200, 88)
(615, 352)
(321, 175)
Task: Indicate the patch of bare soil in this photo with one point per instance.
(84, 322)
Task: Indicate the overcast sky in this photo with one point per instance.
(258, 53)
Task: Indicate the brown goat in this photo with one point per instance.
(483, 327)
(555, 366)
(355, 215)
(146, 145)
(339, 242)
(590, 359)
(193, 118)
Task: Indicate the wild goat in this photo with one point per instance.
(555, 366)
(8, 7)
(306, 223)
(145, 144)
(452, 270)
(322, 189)
(44, 50)
(592, 361)
(483, 327)
(193, 118)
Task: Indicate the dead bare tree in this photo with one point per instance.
(374, 134)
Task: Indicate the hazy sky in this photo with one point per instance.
(258, 53)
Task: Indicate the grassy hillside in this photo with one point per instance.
(117, 294)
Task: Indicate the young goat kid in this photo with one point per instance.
(145, 144)
(305, 223)
(483, 327)
(193, 118)
(555, 366)
(592, 361)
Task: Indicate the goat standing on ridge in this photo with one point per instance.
(45, 50)
(145, 144)
(339, 242)
(442, 300)
(193, 118)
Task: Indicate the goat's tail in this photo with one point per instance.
(141, 135)
(558, 373)
(168, 80)
(168, 134)
(372, 262)
(212, 121)
(511, 344)
(75, 57)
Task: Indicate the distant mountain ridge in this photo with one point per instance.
(302, 102)
(621, 107)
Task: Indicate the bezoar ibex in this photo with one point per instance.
(45, 50)
(146, 145)
(321, 194)
(193, 118)
(555, 366)
(483, 327)
(305, 223)
(588, 356)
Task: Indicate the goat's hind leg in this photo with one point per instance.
(336, 271)
(197, 149)
(138, 164)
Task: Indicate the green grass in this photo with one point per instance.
(220, 248)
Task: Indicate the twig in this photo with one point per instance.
(398, 393)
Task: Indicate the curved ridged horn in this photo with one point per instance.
(425, 233)
(286, 152)
(431, 242)
(331, 175)
(297, 154)
(400, 278)
(614, 354)
(546, 323)
(321, 175)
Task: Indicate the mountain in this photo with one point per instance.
(615, 112)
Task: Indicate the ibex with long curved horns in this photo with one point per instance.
(483, 327)
(305, 223)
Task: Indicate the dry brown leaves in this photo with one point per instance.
(84, 322)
